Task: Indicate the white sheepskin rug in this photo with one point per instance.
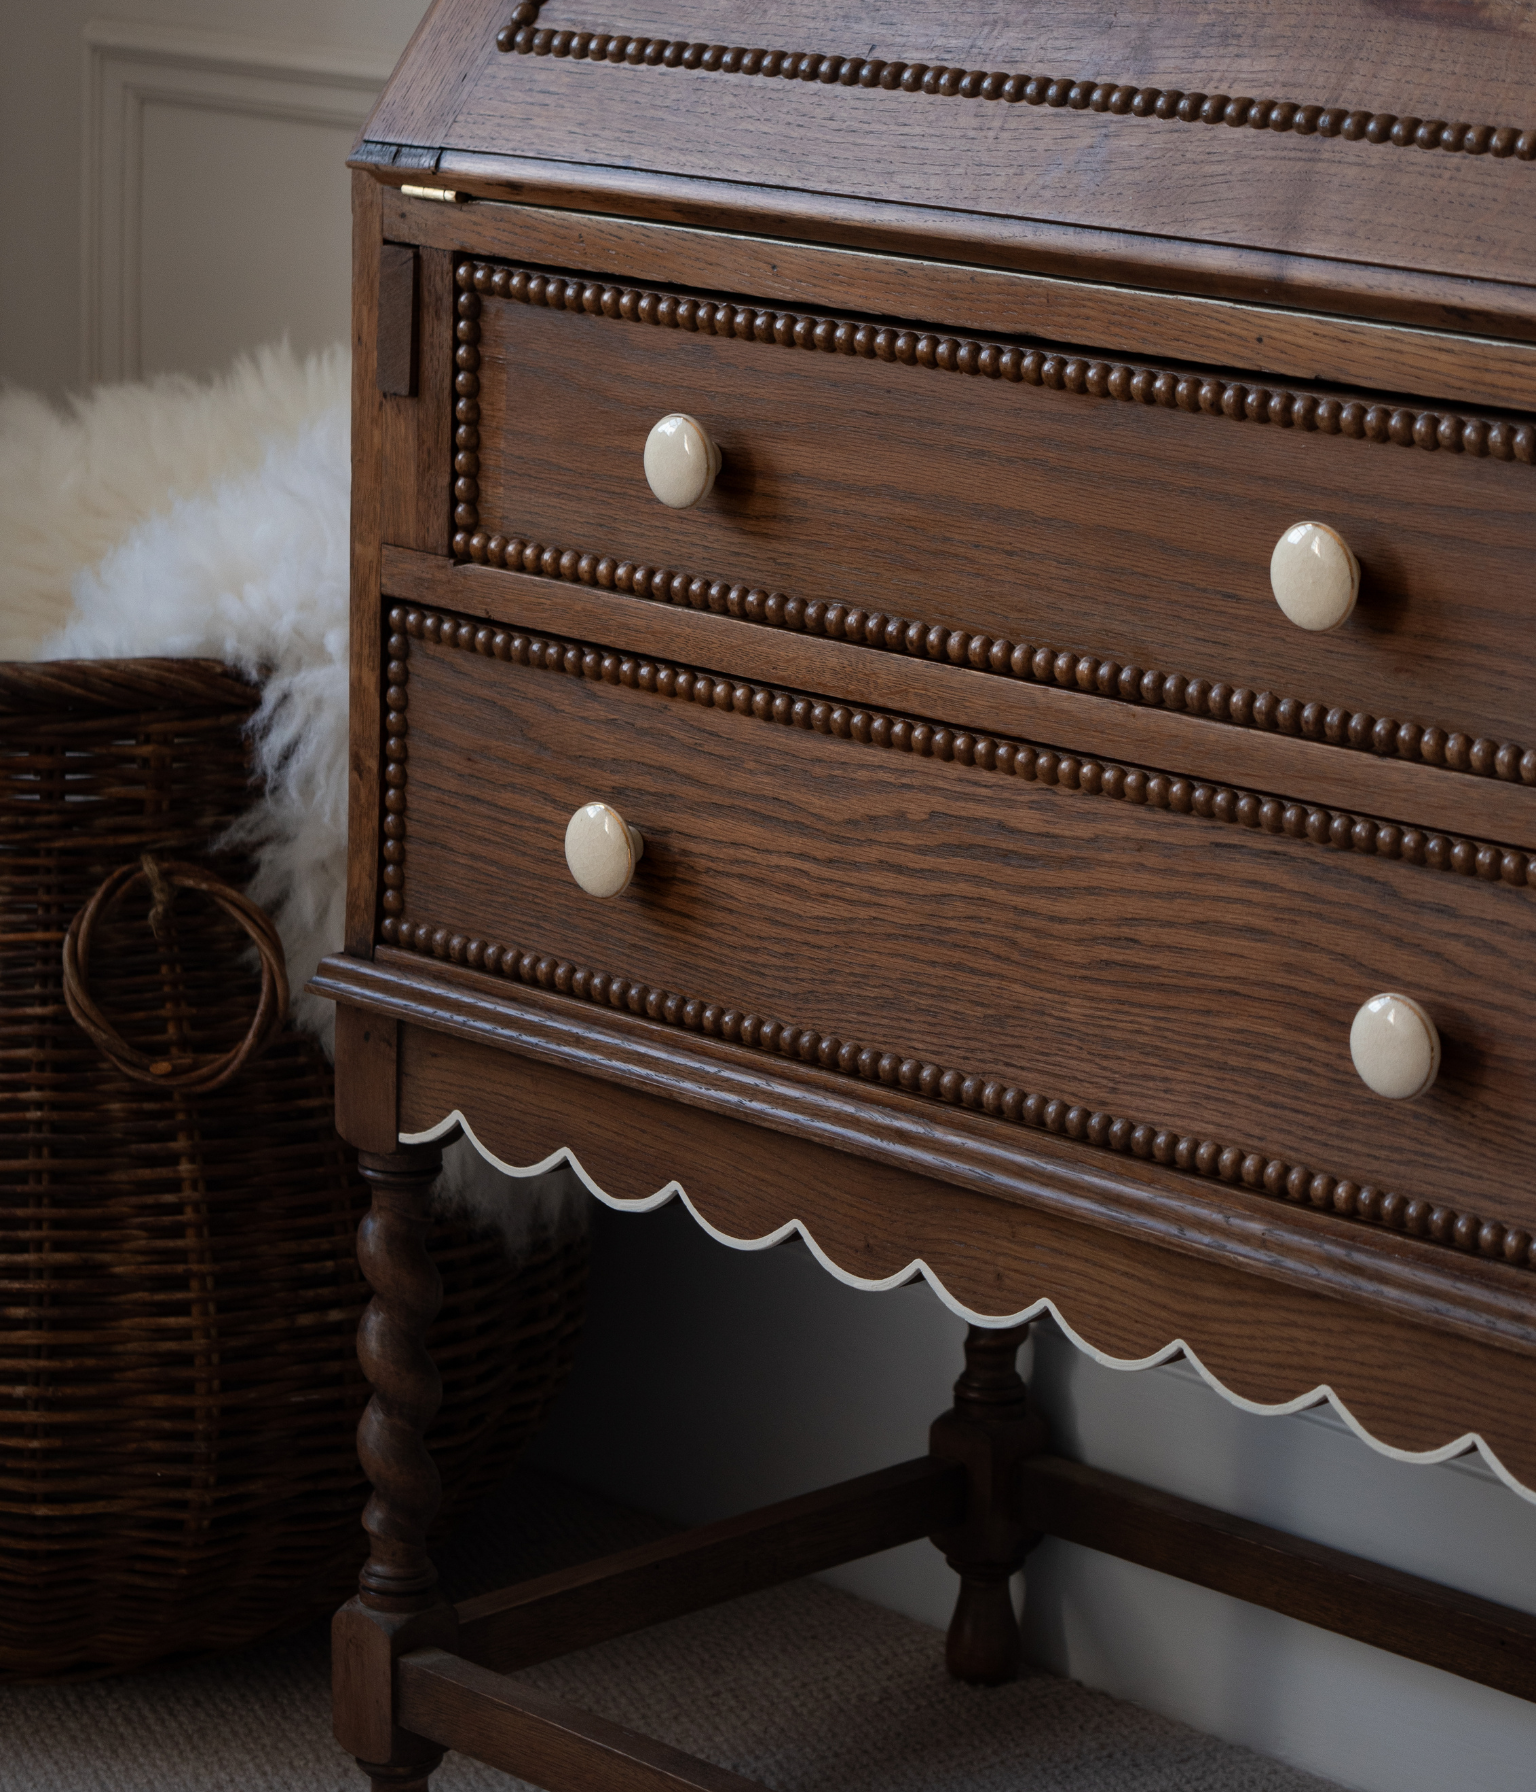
(74, 481)
(211, 521)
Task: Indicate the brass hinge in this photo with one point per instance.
(431, 193)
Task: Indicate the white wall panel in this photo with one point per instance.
(268, 257)
(215, 206)
(87, 88)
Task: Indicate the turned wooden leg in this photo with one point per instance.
(990, 1430)
(398, 1607)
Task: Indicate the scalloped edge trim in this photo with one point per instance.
(1469, 1441)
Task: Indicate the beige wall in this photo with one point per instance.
(221, 126)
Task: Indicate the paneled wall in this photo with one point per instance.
(175, 186)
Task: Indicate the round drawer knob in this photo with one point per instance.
(681, 461)
(602, 849)
(1395, 1046)
(1314, 576)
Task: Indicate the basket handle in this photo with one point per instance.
(191, 1073)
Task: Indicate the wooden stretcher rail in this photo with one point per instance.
(457, 1701)
(558, 1613)
(1475, 1638)
(542, 1739)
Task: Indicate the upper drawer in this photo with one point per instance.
(1063, 517)
(1147, 963)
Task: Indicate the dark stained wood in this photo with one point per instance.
(365, 1645)
(453, 36)
(1229, 188)
(1308, 771)
(540, 1619)
(1414, 1351)
(366, 1079)
(540, 1738)
(418, 432)
(1084, 525)
(1140, 1200)
(398, 315)
(991, 1432)
(1475, 1638)
(407, 1292)
(1437, 302)
(788, 873)
(398, 1606)
(1470, 370)
(1472, 69)
(365, 689)
(434, 464)
(1236, 199)
(1025, 947)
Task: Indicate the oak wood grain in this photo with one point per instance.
(1478, 1639)
(1480, 65)
(367, 1109)
(1138, 1200)
(1229, 188)
(1409, 1373)
(418, 432)
(454, 39)
(1306, 770)
(1095, 527)
(398, 315)
(1430, 231)
(1193, 976)
(1071, 251)
(1432, 364)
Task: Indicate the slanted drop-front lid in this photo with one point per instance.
(1366, 157)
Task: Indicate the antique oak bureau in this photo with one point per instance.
(943, 629)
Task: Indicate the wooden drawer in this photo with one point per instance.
(1132, 959)
(1096, 528)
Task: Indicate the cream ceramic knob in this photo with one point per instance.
(1314, 576)
(602, 849)
(1395, 1046)
(681, 462)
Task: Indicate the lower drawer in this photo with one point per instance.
(1129, 958)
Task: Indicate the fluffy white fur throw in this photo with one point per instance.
(221, 513)
(74, 481)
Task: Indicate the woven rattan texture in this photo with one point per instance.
(179, 1294)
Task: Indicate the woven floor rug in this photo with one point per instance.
(801, 1687)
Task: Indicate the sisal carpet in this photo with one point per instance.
(801, 1687)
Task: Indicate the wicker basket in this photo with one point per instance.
(180, 1294)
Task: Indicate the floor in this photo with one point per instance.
(801, 1687)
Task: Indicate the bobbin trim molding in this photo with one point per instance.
(1091, 376)
(1117, 99)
